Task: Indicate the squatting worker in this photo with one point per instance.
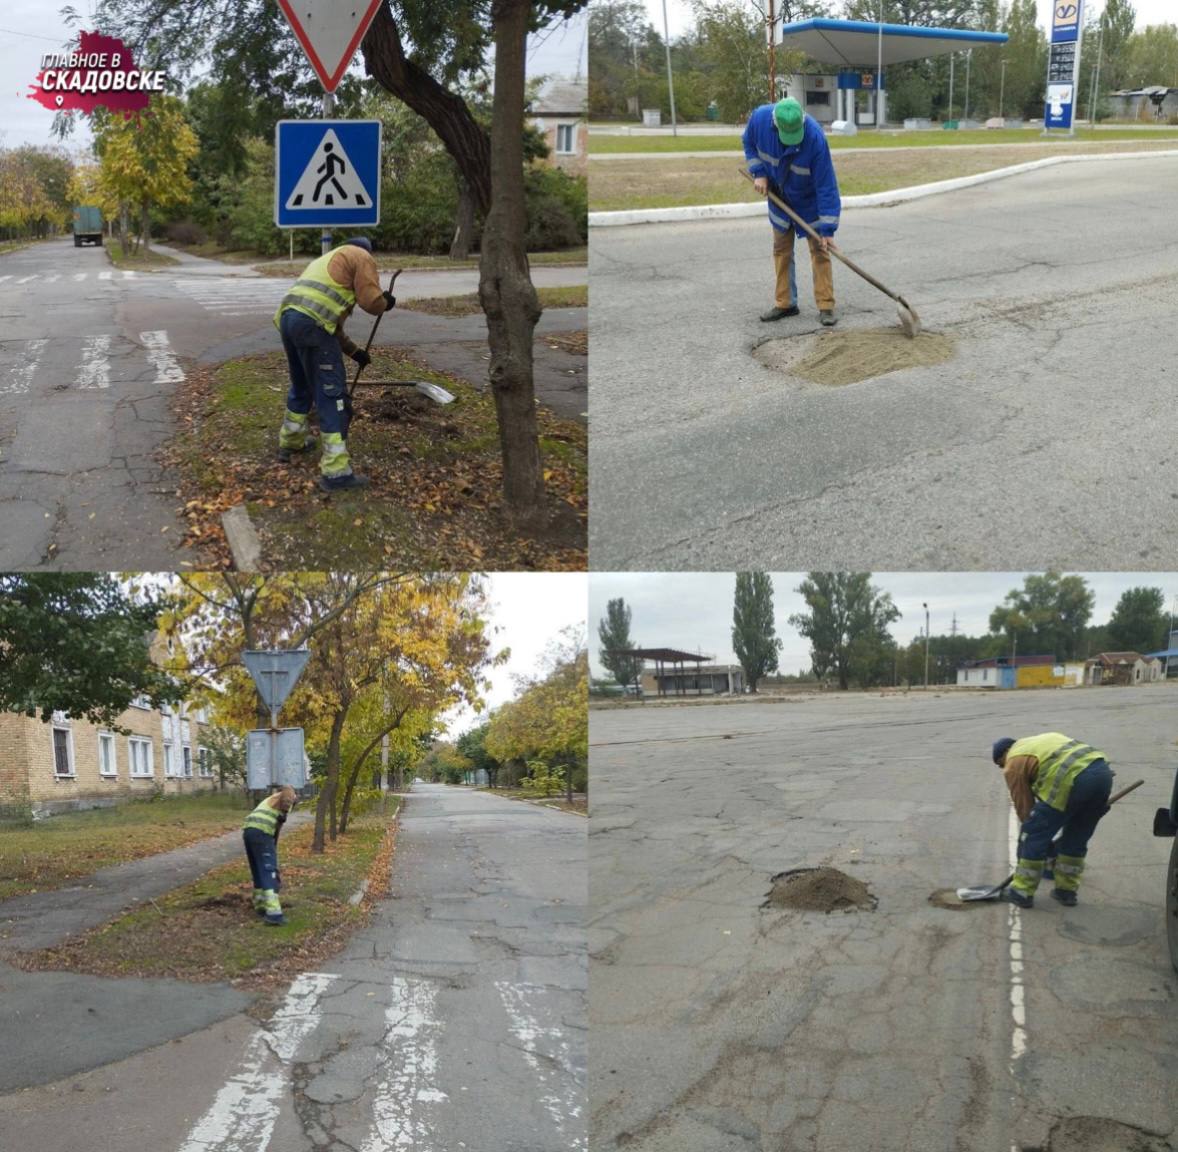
(788, 155)
(260, 833)
(311, 319)
(1058, 785)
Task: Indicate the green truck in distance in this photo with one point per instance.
(87, 225)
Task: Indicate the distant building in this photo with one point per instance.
(1123, 668)
(63, 764)
(559, 113)
(1153, 103)
(705, 680)
(1031, 671)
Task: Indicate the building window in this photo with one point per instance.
(106, 755)
(204, 763)
(187, 762)
(169, 759)
(63, 751)
(139, 752)
(566, 136)
(141, 702)
(817, 99)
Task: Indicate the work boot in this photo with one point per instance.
(776, 313)
(1066, 898)
(1015, 897)
(275, 920)
(309, 445)
(344, 482)
(827, 318)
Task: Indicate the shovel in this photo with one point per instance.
(995, 893)
(909, 320)
(435, 392)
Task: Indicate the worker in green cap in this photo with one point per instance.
(788, 155)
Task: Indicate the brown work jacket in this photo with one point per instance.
(356, 269)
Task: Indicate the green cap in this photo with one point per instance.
(790, 120)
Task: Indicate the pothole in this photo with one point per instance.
(948, 898)
(836, 359)
(819, 890)
(1098, 1134)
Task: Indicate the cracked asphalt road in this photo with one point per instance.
(721, 1026)
(1059, 287)
(455, 1020)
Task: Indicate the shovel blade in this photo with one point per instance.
(909, 320)
(991, 892)
(435, 392)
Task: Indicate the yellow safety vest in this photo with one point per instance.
(1061, 760)
(317, 295)
(264, 818)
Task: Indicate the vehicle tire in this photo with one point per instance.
(1172, 904)
(77, 242)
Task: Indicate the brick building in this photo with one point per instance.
(559, 113)
(63, 764)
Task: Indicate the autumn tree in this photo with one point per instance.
(1049, 614)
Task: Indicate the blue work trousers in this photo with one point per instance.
(317, 374)
(1087, 803)
(261, 849)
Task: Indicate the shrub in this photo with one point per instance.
(558, 209)
(185, 232)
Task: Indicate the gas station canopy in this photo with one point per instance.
(856, 43)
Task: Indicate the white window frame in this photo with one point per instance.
(143, 741)
(186, 761)
(204, 763)
(571, 129)
(62, 726)
(141, 702)
(171, 772)
(107, 740)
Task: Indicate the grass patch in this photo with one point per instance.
(601, 145)
(675, 182)
(63, 849)
(391, 261)
(434, 501)
(144, 258)
(580, 804)
(568, 296)
(208, 931)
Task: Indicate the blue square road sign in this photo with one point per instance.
(327, 173)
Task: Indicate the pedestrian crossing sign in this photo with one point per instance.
(327, 173)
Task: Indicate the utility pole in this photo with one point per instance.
(670, 76)
(968, 61)
(952, 58)
(637, 83)
(1002, 90)
(1096, 82)
(879, 71)
(925, 606)
(771, 20)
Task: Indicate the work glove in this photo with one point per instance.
(390, 301)
(361, 357)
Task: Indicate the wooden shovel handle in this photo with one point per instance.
(372, 334)
(1124, 792)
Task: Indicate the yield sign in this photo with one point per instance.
(330, 31)
(275, 673)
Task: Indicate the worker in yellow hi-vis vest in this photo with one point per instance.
(311, 320)
(260, 833)
(1058, 786)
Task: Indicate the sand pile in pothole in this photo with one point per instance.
(818, 890)
(1098, 1134)
(846, 357)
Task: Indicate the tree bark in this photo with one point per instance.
(463, 224)
(505, 286)
(325, 809)
(145, 225)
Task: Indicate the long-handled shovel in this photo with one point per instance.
(909, 320)
(360, 367)
(995, 893)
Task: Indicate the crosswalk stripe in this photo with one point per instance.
(95, 369)
(129, 274)
(80, 276)
(26, 279)
(105, 275)
(52, 279)
(3, 278)
(167, 371)
(21, 374)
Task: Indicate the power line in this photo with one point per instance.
(33, 35)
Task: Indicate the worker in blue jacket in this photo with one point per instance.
(788, 155)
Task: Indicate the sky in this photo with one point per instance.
(30, 28)
(528, 611)
(693, 611)
(1148, 12)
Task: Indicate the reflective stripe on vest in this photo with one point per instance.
(317, 295)
(264, 818)
(1061, 760)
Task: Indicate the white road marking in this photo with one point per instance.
(400, 1119)
(243, 1115)
(3, 278)
(167, 371)
(95, 369)
(80, 276)
(105, 275)
(26, 279)
(53, 279)
(1018, 1003)
(129, 275)
(546, 1050)
(21, 375)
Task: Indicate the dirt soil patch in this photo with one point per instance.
(819, 890)
(948, 898)
(1098, 1134)
(836, 359)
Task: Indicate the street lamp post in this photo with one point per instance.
(670, 77)
(968, 61)
(925, 606)
(952, 59)
(879, 71)
(1002, 90)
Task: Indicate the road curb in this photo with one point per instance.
(243, 539)
(873, 200)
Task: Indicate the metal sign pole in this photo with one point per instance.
(328, 109)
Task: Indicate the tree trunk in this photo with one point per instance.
(125, 228)
(326, 803)
(145, 225)
(463, 224)
(505, 286)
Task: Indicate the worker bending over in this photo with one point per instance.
(260, 833)
(1057, 785)
(311, 320)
